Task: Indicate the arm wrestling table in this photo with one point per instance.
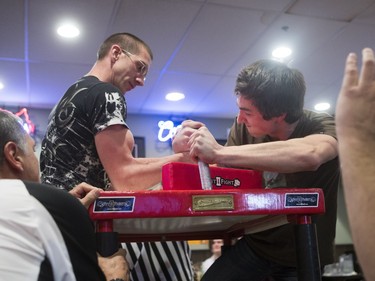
(163, 215)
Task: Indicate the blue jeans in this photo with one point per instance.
(240, 263)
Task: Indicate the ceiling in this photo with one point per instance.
(199, 47)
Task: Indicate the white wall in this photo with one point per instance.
(343, 235)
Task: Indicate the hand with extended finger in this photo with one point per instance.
(355, 106)
(86, 193)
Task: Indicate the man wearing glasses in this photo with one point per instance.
(88, 140)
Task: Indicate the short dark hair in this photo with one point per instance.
(127, 41)
(11, 130)
(274, 88)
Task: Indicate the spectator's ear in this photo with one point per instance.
(13, 156)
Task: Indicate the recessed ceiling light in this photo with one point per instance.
(1, 86)
(322, 106)
(281, 52)
(175, 96)
(68, 31)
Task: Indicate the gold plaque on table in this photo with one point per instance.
(212, 202)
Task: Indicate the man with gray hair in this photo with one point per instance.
(45, 233)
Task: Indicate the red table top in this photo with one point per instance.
(203, 214)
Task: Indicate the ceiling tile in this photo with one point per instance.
(340, 10)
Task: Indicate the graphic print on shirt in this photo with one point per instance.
(69, 155)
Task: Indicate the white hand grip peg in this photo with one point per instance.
(204, 173)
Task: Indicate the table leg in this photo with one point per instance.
(106, 239)
(308, 261)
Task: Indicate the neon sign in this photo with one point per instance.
(27, 124)
(167, 130)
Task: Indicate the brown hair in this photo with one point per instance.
(127, 41)
(274, 89)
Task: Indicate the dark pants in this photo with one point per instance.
(240, 263)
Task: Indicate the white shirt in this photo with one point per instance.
(207, 263)
(28, 234)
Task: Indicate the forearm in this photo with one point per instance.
(142, 173)
(358, 176)
(357, 163)
(282, 157)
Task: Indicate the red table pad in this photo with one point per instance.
(184, 176)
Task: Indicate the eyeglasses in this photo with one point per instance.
(142, 67)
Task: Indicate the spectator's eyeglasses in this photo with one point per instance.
(142, 67)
